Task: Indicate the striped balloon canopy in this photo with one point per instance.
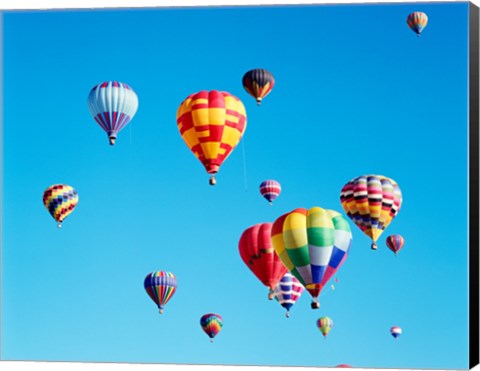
(396, 331)
(60, 200)
(211, 324)
(112, 104)
(287, 292)
(270, 190)
(257, 252)
(395, 242)
(417, 21)
(371, 201)
(325, 324)
(160, 286)
(258, 83)
(211, 124)
(313, 244)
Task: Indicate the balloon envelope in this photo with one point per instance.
(396, 331)
(257, 252)
(417, 21)
(211, 124)
(324, 324)
(211, 324)
(258, 83)
(395, 243)
(112, 104)
(371, 202)
(60, 200)
(313, 244)
(160, 286)
(270, 190)
(288, 290)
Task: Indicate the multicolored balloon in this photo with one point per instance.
(313, 244)
(112, 104)
(417, 21)
(270, 190)
(371, 201)
(60, 200)
(396, 331)
(212, 324)
(211, 123)
(395, 243)
(324, 324)
(160, 286)
(257, 252)
(258, 83)
(287, 292)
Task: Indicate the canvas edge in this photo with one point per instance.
(474, 204)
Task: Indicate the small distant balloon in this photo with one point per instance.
(211, 324)
(417, 21)
(324, 324)
(395, 243)
(112, 104)
(343, 365)
(270, 190)
(258, 83)
(396, 331)
(160, 286)
(60, 200)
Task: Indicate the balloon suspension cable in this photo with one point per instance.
(244, 165)
(212, 181)
(374, 246)
(59, 225)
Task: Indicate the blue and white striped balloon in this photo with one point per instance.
(112, 104)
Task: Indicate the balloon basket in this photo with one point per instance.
(212, 181)
(112, 141)
(59, 225)
(374, 246)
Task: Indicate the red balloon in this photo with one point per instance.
(257, 252)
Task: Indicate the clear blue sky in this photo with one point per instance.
(356, 93)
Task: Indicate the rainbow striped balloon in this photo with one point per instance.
(324, 324)
(371, 201)
(60, 200)
(211, 324)
(160, 286)
(417, 21)
(270, 190)
(287, 292)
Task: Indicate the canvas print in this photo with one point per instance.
(279, 185)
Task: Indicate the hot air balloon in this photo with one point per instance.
(212, 324)
(258, 83)
(60, 200)
(211, 124)
(160, 286)
(396, 331)
(324, 324)
(395, 243)
(112, 104)
(256, 250)
(417, 21)
(312, 244)
(270, 189)
(287, 292)
(371, 201)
